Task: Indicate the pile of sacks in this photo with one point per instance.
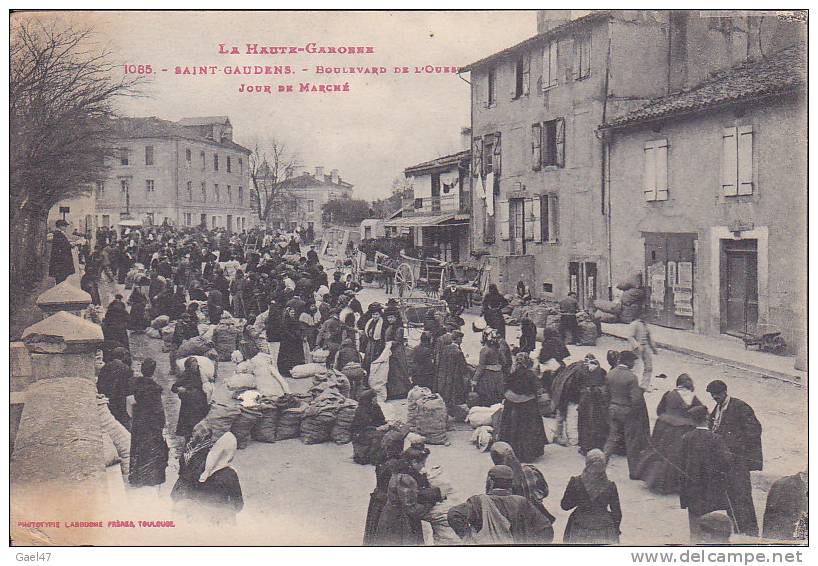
(224, 336)
(267, 424)
(291, 412)
(628, 307)
(427, 415)
(319, 356)
(305, 371)
(319, 418)
(342, 429)
(331, 379)
(586, 330)
(196, 346)
(539, 311)
(356, 375)
(484, 416)
(256, 373)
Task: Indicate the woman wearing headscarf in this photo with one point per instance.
(115, 323)
(594, 497)
(207, 483)
(592, 411)
(138, 320)
(194, 408)
(215, 308)
(528, 334)
(149, 451)
(452, 377)
(493, 305)
(423, 365)
(177, 305)
(522, 425)
(400, 520)
(291, 352)
(528, 479)
(373, 332)
(552, 348)
(660, 462)
(368, 417)
(489, 382)
(392, 445)
(398, 382)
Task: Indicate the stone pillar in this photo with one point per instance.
(57, 467)
(64, 297)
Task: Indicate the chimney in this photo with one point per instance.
(465, 137)
(335, 178)
(549, 19)
(319, 173)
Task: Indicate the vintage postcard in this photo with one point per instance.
(385, 278)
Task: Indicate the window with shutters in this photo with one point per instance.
(229, 170)
(124, 154)
(522, 76)
(655, 178)
(188, 157)
(582, 56)
(241, 195)
(189, 190)
(549, 218)
(100, 189)
(216, 192)
(204, 192)
(737, 161)
(491, 83)
(553, 143)
(241, 166)
(204, 160)
(536, 147)
(215, 161)
(149, 188)
(148, 155)
(549, 66)
(502, 212)
(229, 193)
(477, 156)
(488, 155)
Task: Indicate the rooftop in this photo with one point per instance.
(153, 127)
(776, 74)
(444, 162)
(204, 120)
(307, 181)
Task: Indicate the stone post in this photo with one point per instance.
(64, 297)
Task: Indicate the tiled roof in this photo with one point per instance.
(540, 37)
(307, 181)
(446, 160)
(204, 120)
(152, 127)
(778, 73)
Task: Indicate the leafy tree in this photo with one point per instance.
(345, 211)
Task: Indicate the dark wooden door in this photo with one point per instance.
(740, 287)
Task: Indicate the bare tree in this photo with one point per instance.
(61, 93)
(269, 164)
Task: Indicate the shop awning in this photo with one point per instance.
(415, 221)
(130, 223)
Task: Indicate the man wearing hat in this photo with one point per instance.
(736, 422)
(61, 263)
(514, 519)
(705, 464)
(455, 300)
(626, 406)
(337, 288)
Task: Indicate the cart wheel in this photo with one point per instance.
(404, 279)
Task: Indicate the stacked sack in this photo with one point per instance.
(483, 437)
(290, 414)
(432, 418)
(220, 417)
(160, 322)
(356, 375)
(262, 368)
(342, 429)
(319, 417)
(482, 416)
(167, 336)
(249, 414)
(587, 333)
(607, 311)
(319, 355)
(196, 346)
(224, 337)
(305, 371)
(267, 423)
(332, 379)
(415, 394)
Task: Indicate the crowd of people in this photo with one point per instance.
(706, 458)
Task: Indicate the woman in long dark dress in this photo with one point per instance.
(138, 321)
(291, 352)
(528, 334)
(522, 425)
(594, 497)
(398, 382)
(194, 408)
(392, 444)
(178, 304)
(368, 417)
(149, 451)
(593, 406)
(400, 520)
(373, 335)
(488, 377)
(423, 363)
(493, 305)
(661, 461)
(453, 372)
(115, 323)
(528, 480)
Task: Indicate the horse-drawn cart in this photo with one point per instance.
(428, 275)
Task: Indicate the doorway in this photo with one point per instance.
(582, 280)
(739, 287)
(669, 273)
(229, 223)
(516, 227)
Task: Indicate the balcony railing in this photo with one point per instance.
(459, 203)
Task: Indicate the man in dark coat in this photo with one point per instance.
(114, 381)
(338, 287)
(705, 464)
(626, 406)
(787, 508)
(61, 264)
(735, 421)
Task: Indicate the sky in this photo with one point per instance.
(384, 124)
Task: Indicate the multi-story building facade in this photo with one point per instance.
(707, 185)
(436, 207)
(537, 191)
(304, 195)
(185, 173)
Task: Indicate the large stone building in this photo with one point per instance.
(303, 195)
(708, 195)
(185, 173)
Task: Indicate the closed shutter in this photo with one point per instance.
(546, 67)
(729, 167)
(534, 212)
(745, 160)
(661, 169)
(526, 73)
(536, 147)
(560, 144)
(649, 175)
(502, 218)
(497, 155)
(547, 143)
(477, 156)
(528, 224)
(554, 210)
